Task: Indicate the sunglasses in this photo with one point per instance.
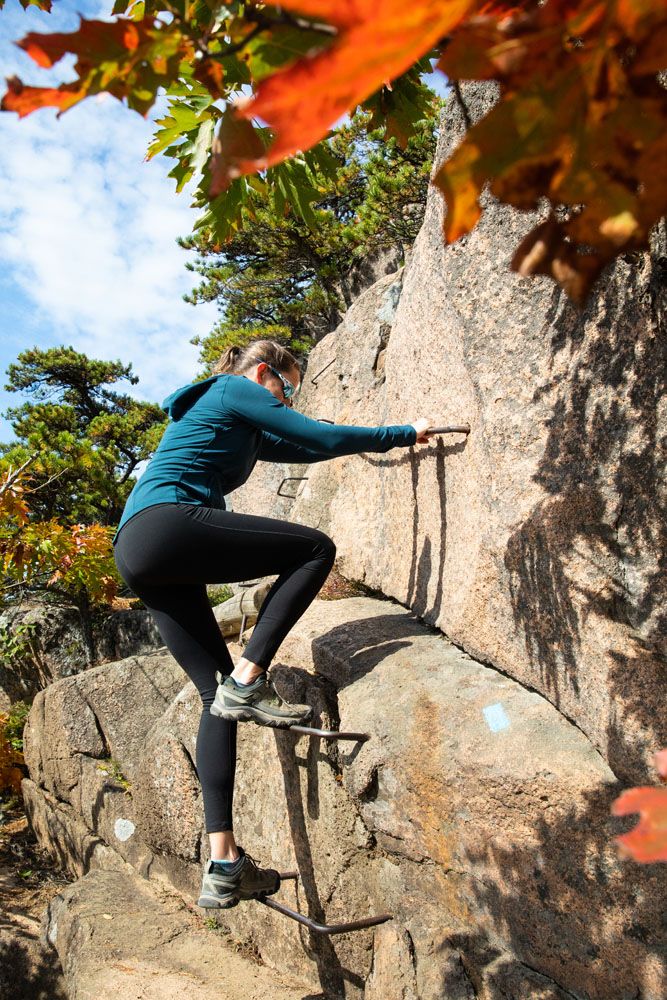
(288, 388)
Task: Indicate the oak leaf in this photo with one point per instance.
(24, 99)
(128, 59)
(375, 43)
(648, 841)
(581, 121)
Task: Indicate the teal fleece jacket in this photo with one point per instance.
(221, 426)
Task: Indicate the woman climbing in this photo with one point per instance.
(175, 537)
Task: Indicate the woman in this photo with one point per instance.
(175, 536)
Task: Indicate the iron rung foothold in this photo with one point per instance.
(353, 925)
(329, 734)
(322, 371)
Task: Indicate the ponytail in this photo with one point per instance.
(239, 359)
(228, 361)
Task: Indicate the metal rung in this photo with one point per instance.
(328, 734)
(454, 429)
(328, 929)
(322, 371)
(290, 479)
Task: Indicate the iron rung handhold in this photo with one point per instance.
(452, 429)
(328, 734)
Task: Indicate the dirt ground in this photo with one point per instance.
(28, 880)
(30, 970)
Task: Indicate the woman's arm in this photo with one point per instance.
(253, 403)
(276, 449)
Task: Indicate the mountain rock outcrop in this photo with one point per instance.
(510, 690)
(539, 542)
(475, 814)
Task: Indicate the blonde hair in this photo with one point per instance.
(238, 359)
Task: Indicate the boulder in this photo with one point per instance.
(48, 641)
(56, 642)
(494, 807)
(537, 543)
(476, 814)
(83, 741)
(119, 936)
(125, 633)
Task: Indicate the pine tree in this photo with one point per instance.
(88, 438)
(283, 279)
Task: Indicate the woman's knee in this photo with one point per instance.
(326, 546)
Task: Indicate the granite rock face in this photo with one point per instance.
(56, 643)
(475, 814)
(83, 741)
(509, 696)
(539, 542)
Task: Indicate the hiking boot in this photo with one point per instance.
(246, 880)
(258, 702)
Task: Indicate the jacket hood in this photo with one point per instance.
(180, 401)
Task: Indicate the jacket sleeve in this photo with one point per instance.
(248, 401)
(275, 449)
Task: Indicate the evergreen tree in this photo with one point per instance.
(287, 280)
(88, 438)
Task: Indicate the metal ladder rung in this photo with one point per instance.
(328, 734)
(313, 925)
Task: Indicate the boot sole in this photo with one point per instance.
(217, 902)
(256, 715)
(209, 902)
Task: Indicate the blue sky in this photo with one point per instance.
(88, 253)
(88, 256)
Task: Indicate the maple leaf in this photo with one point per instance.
(648, 841)
(376, 41)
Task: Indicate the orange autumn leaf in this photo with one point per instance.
(647, 842)
(92, 40)
(23, 100)
(377, 41)
(580, 120)
(125, 58)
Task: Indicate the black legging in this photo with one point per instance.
(167, 554)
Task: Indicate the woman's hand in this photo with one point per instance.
(422, 426)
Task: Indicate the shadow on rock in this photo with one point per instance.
(595, 549)
(423, 568)
(567, 910)
(350, 651)
(320, 948)
(26, 974)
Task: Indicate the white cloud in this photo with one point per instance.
(87, 238)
